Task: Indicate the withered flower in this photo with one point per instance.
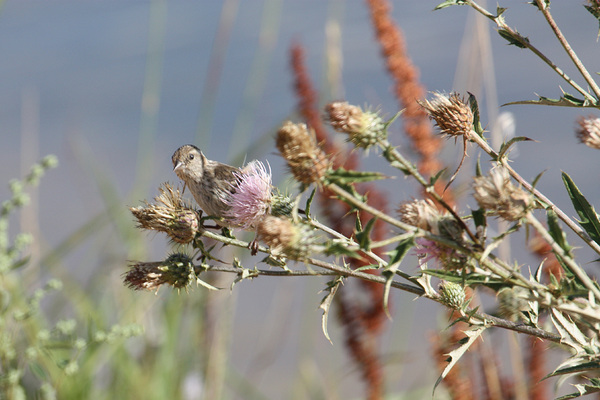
(307, 162)
(497, 194)
(170, 215)
(451, 114)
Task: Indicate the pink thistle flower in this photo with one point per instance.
(252, 198)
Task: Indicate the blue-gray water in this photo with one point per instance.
(79, 68)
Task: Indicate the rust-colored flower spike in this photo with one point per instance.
(451, 114)
(306, 160)
(295, 241)
(497, 194)
(588, 131)
(364, 128)
(177, 270)
(169, 215)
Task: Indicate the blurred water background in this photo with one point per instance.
(113, 87)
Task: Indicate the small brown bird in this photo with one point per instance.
(210, 182)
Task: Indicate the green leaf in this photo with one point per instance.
(363, 236)
(571, 369)
(557, 233)
(309, 202)
(434, 178)
(449, 3)
(344, 177)
(475, 110)
(583, 389)
(513, 38)
(332, 288)
(337, 248)
(569, 332)
(479, 219)
(588, 217)
(469, 279)
(505, 146)
(396, 257)
(565, 101)
(456, 354)
(595, 11)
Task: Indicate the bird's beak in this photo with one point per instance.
(179, 165)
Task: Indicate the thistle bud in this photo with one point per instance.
(588, 131)
(177, 270)
(496, 193)
(364, 128)
(452, 294)
(306, 160)
(169, 215)
(451, 114)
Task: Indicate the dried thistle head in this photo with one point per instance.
(295, 241)
(169, 214)
(497, 194)
(424, 215)
(364, 128)
(588, 131)
(306, 160)
(451, 114)
(177, 271)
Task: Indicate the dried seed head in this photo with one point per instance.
(177, 270)
(496, 193)
(588, 131)
(305, 159)
(295, 241)
(420, 213)
(452, 294)
(424, 215)
(252, 198)
(451, 114)
(364, 128)
(170, 215)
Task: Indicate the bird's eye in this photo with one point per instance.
(191, 156)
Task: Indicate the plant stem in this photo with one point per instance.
(407, 166)
(565, 44)
(564, 217)
(525, 43)
(576, 269)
